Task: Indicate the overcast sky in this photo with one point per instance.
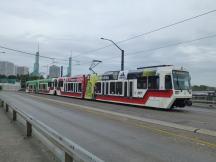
(77, 25)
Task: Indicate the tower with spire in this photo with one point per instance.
(36, 64)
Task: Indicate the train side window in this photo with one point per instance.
(107, 88)
(68, 86)
(75, 87)
(112, 87)
(72, 87)
(55, 83)
(49, 84)
(168, 82)
(119, 88)
(153, 82)
(98, 87)
(79, 87)
(125, 89)
(103, 88)
(142, 83)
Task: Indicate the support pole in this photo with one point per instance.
(28, 129)
(14, 115)
(68, 158)
(122, 60)
(7, 108)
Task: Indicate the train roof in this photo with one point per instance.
(139, 72)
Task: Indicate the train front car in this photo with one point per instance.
(182, 88)
(156, 86)
(32, 86)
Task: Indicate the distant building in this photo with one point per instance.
(36, 65)
(61, 71)
(7, 68)
(22, 70)
(69, 67)
(54, 71)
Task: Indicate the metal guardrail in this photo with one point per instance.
(204, 101)
(72, 151)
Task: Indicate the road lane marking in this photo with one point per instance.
(161, 131)
(169, 133)
(132, 121)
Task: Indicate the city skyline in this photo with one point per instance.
(8, 68)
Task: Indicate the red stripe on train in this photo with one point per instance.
(69, 94)
(149, 93)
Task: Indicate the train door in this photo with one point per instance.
(131, 89)
(125, 89)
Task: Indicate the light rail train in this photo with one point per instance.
(161, 86)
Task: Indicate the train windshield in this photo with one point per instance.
(181, 80)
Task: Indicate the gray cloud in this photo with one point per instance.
(69, 25)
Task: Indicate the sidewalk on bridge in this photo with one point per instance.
(15, 147)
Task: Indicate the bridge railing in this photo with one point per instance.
(204, 99)
(72, 151)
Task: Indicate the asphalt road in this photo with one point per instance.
(116, 140)
(191, 116)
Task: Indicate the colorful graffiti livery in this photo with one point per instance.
(158, 86)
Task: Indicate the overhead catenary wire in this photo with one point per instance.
(121, 41)
(173, 44)
(27, 53)
(149, 32)
(162, 47)
(33, 54)
(156, 48)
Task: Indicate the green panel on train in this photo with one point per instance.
(149, 73)
(45, 80)
(34, 83)
(91, 80)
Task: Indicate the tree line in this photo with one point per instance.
(203, 88)
(19, 78)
